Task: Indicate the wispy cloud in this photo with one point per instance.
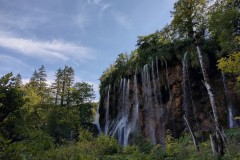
(13, 20)
(100, 3)
(81, 20)
(104, 7)
(11, 64)
(55, 49)
(91, 2)
(6, 59)
(123, 20)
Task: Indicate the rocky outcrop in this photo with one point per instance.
(154, 100)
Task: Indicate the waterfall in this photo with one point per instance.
(160, 111)
(121, 125)
(187, 91)
(148, 105)
(231, 121)
(135, 116)
(96, 120)
(168, 83)
(107, 111)
(154, 85)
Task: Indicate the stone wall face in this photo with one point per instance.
(155, 100)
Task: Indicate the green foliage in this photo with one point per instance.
(32, 147)
(82, 92)
(144, 145)
(230, 64)
(107, 145)
(11, 97)
(223, 24)
(188, 15)
(86, 112)
(63, 123)
(158, 153)
(172, 147)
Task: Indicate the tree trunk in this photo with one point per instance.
(192, 134)
(218, 142)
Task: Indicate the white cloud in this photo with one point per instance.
(55, 49)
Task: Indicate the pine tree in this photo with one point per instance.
(34, 81)
(57, 85)
(62, 86)
(18, 80)
(42, 79)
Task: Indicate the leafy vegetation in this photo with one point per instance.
(33, 122)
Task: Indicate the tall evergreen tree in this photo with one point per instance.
(57, 85)
(69, 73)
(42, 79)
(34, 80)
(18, 80)
(64, 79)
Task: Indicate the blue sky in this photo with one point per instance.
(84, 34)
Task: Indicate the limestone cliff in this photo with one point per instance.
(155, 99)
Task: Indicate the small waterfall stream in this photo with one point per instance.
(231, 121)
(96, 120)
(148, 104)
(135, 117)
(188, 91)
(107, 111)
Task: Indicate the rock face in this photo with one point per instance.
(155, 100)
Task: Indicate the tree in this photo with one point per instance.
(62, 86)
(11, 98)
(34, 80)
(82, 93)
(57, 85)
(224, 24)
(67, 81)
(231, 63)
(42, 79)
(188, 21)
(187, 16)
(18, 80)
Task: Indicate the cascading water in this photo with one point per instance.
(148, 104)
(154, 85)
(135, 114)
(121, 125)
(168, 84)
(107, 111)
(231, 121)
(160, 110)
(187, 91)
(96, 120)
